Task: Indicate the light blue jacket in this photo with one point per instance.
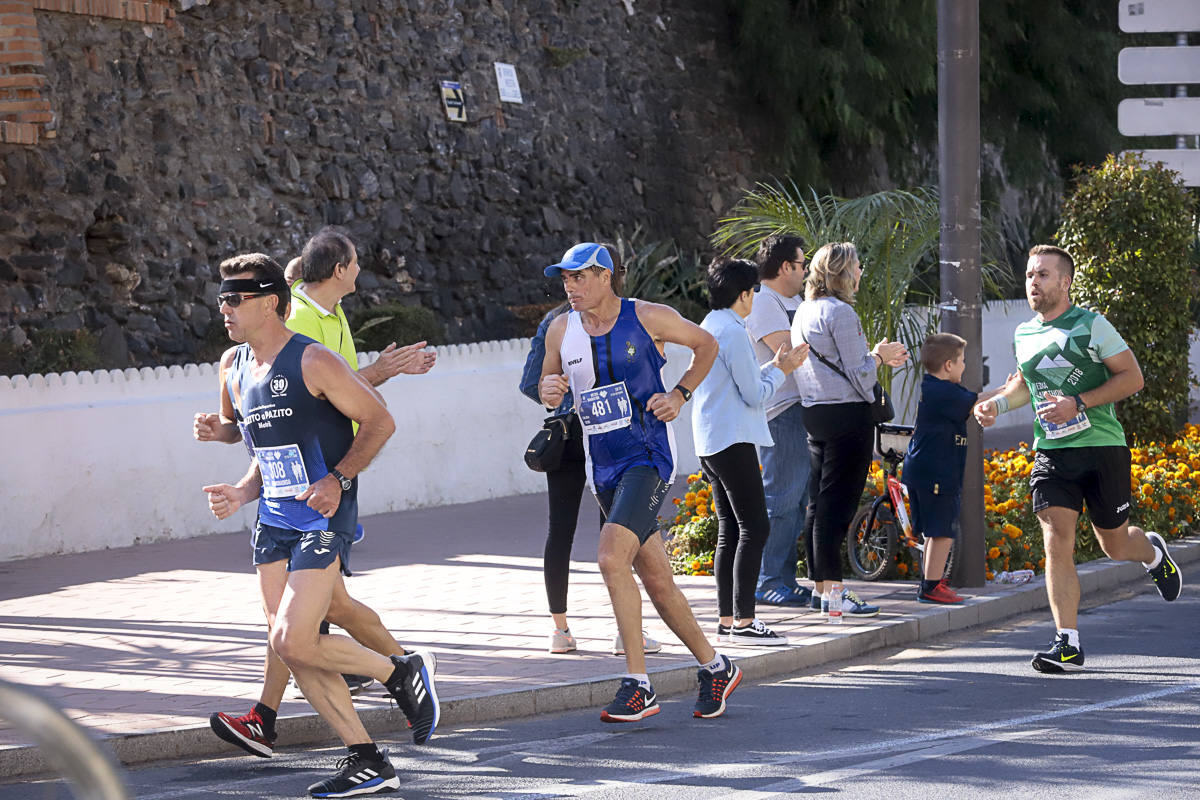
(728, 404)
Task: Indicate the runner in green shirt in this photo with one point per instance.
(1075, 366)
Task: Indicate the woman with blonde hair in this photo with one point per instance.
(836, 389)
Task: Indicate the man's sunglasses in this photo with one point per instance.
(234, 299)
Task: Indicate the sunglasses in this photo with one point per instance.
(234, 299)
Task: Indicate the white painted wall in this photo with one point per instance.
(106, 459)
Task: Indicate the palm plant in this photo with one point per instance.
(661, 272)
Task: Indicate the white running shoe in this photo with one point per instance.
(562, 642)
(649, 645)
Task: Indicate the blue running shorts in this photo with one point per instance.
(301, 549)
(635, 502)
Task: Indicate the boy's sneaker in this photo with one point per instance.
(715, 687)
(1061, 657)
(633, 702)
(782, 596)
(940, 593)
(415, 691)
(358, 776)
(1166, 575)
(756, 635)
(562, 641)
(853, 606)
(247, 732)
(723, 632)
(649, 645)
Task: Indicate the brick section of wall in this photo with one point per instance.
(156, 11)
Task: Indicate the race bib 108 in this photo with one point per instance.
(282, 469)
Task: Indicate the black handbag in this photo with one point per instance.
(545, 449)
(881, 403)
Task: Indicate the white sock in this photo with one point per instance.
(1157, 557)
(1072, 636)
(716, 665)
(641, 677)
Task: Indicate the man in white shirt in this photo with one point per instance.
(781, 261)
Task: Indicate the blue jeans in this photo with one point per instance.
(785, 481)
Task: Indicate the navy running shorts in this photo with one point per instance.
(1069, 477)
(301, 549)
(934, 516)
(635, 502)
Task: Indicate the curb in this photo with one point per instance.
(197, 740)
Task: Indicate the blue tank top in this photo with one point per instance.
(296, 437)
(612, 377)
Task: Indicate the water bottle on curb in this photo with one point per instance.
(835, 603)
(825, 603)
(1015, 576)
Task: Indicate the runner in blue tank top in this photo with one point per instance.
(294, 400)
(609, 352)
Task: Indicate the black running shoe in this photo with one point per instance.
(1061, 657)
(715, 687)
(358, 776)
(1166, 575)
(633, 702)
(247, 732)
(415, 692)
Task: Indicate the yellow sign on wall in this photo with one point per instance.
(452, 100)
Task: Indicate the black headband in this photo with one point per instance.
(250, 286)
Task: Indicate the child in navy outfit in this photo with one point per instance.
(933, 467)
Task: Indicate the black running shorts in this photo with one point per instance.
(635, 502)
(1069, 477)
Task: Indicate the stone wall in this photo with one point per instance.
(236, 126)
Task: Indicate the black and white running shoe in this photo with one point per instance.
(415, 691)
(723, 632)
(1166, 575)
(358, 776)
(756, 635)
(1061, 657)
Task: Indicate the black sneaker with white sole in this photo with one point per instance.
(1166, 575)
(1061, 657)
(415, 691)
(715, 688)
(756, 635)
(358, 776)
(723, 632)
(632, 703)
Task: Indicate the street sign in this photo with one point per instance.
(1185, 162)
(1161, 116)
(1159, 16)
(1174, 65)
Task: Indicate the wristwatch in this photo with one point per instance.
(683, 390)
(1080, 406)
(342, 479)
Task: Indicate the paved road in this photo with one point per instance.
(961, 717)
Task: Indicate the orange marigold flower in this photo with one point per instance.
(994, 552)
(902, 568)
(1012, 531)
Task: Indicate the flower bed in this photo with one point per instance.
(1164, 481)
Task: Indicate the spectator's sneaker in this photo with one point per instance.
(723, 632)
(853, 606)
(802, 594)
(818, 604)
(715, 687)
(1166, 575)
(357, 683)
(358, 776)
(633, 702)
(941, 593)
(562, 641)
(415, 691)
(782, 596)
(756, 635)
(649, 645)
(247, 732)
(1061, 657)
(359, 535)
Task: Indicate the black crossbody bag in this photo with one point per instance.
(545, 450)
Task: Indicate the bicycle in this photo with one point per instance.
(880, 527)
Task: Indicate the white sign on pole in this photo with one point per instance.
(1137, 65)
(1163, 116)
(1159, 16)
(506, 78)
(1185, 162)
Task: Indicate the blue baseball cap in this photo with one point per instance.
(582, 256)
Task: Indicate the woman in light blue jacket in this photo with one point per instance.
(727, 422)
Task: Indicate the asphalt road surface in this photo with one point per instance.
(963, 716)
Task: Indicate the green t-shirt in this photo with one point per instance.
(1066, 355)
(330, 328)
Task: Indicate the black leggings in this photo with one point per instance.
(841, 438)
(564, 490)
(737, 490)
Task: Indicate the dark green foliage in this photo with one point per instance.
(1130, 228)
(51, 351)
(378, 326)
(660, 272)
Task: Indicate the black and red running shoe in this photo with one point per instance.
(633, 702)
(247, 732)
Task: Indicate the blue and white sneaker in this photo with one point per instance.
(781, 596)
(359, 535)
(853, 606)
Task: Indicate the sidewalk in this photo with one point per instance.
(142, 644)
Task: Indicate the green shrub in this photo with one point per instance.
(661, 272)
(1129, 225)
(378, 326)
(51, 351)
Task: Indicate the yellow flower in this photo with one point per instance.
(1012, 531)
(994, 552)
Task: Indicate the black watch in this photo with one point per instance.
(1080, 406)
(342, 479)
(683, 390)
